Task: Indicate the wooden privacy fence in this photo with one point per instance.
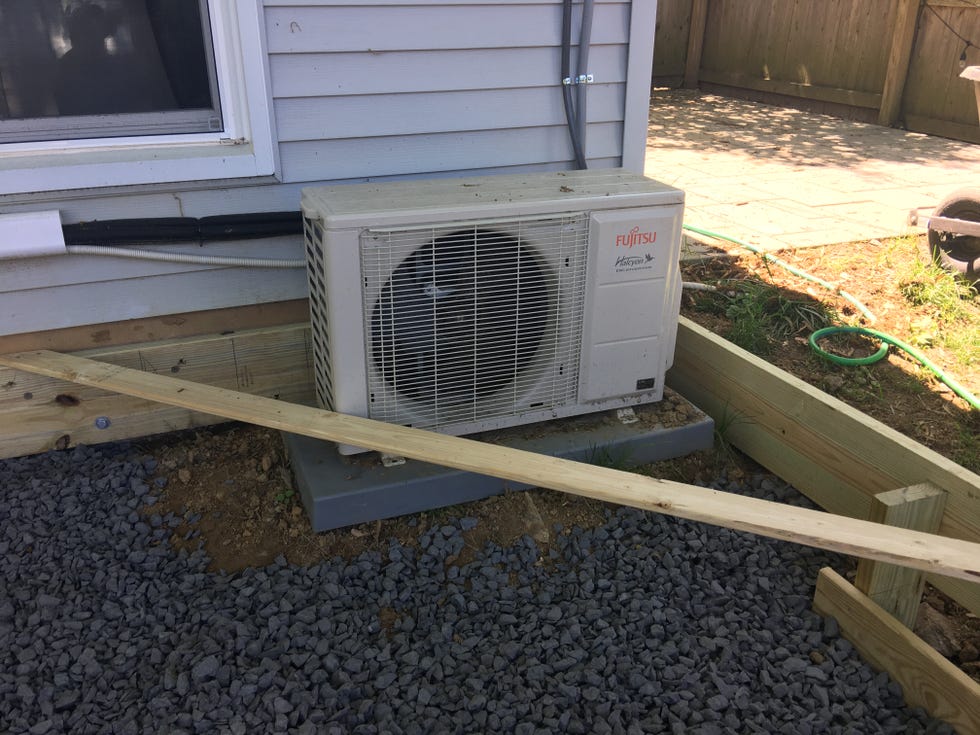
(885, 61)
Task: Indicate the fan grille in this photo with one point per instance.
(476, 321)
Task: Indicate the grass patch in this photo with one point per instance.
(964, 343)
(926, 284)
(723, 447)
(950, 308)
(762, 315)
(613, 458)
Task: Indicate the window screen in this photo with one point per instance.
(73, 69)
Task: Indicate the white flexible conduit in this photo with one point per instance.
(189, 258)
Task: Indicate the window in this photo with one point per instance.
(88, 88)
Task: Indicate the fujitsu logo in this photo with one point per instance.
(635, 237)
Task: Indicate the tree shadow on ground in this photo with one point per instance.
(708, 123)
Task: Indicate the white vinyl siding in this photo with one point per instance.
(414, 113)
(339, 27)
(397, 72)
(362, 89)
(417, 111)
(35, 296)
(387, 90)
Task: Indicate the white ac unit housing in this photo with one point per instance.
(465, 305)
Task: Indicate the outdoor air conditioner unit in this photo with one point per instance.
(465, 305)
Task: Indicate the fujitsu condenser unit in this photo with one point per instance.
(464, 305)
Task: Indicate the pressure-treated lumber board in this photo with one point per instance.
(799, 525)
(898, 590)
(185, 325)
(40, 413)
(835, 454)
(928, 680)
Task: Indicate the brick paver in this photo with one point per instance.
(780, 178)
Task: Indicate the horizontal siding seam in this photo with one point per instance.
(441, 49)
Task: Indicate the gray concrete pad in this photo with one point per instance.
(338, 491)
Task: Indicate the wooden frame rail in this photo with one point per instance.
(896, 589)
(39, 413)
(918, 550)
(837, 455)
(928, 680)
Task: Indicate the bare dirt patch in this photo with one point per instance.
(231, 489)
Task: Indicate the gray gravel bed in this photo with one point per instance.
(644, 625)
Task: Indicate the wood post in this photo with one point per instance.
(695, 43)
(928, 680)
(898, 589)
(899, 58)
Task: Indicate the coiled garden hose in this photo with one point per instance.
(885, 339)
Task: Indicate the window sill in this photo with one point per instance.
(127, 164)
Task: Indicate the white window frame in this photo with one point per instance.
(246, 147)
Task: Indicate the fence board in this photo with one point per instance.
(899, 57)
(670, 46)
(838, 44)
(936, 100)
(833, 53)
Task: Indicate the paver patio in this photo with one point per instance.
(781, 178)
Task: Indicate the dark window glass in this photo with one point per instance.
(103, 68)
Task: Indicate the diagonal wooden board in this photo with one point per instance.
(938, 554)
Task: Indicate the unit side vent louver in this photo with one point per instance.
(473, 321)
(313, 236)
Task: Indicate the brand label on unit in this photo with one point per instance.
(635, 237)
(633, 251)
(633, 244)
(629, 263)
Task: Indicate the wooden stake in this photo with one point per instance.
(898, 590)
(928, 680)
(803, 526)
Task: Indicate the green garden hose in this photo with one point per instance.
(886, 339)
(791, 268)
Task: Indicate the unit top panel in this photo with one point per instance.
(510, 195)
